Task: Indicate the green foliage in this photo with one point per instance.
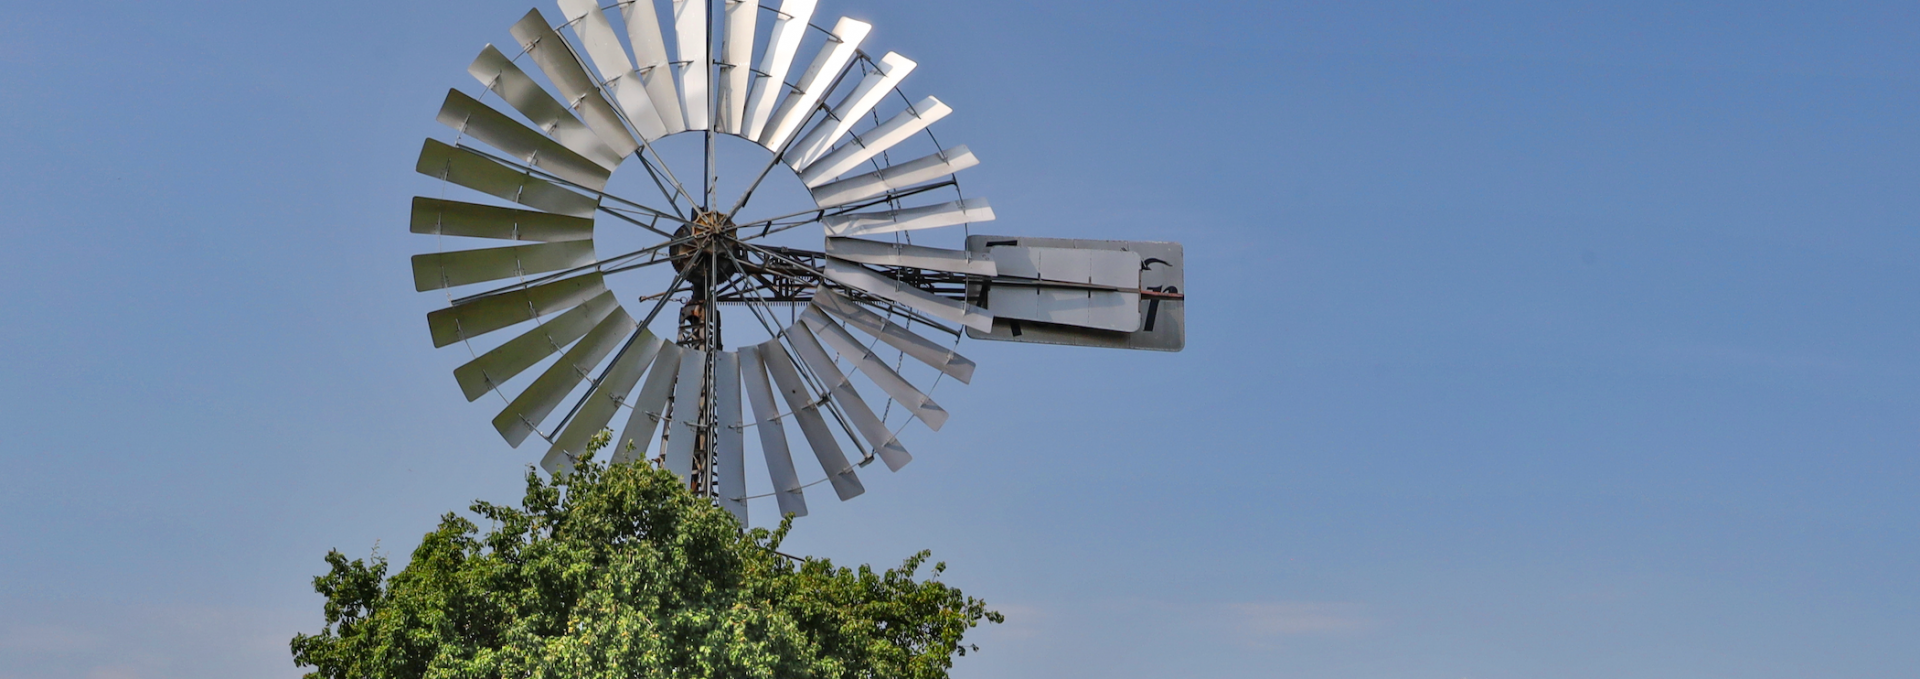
(619, 571)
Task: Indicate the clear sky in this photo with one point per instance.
(1525, 340)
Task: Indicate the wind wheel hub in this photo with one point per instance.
(709, 243)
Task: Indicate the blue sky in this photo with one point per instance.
(1525, 339)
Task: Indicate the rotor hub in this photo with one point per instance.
(710, 243)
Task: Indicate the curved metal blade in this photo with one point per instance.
(527, 410)
(472, 220)
(910, 219)
(736, 72)
(884, 443)
(857, 105)
(685, 424)
(729, 448)
(479, 173)
(651, 62)
(487, 314)
(806, 411)
(879, 182)
(773, 438)
(502, 363)
(940, 358)
(601, 404)
(871, 365)
(564, 70)
(826, 68)
(771, 82)
(866, 280)
(603, 46)
(649, 407)
(868, 144)
(449, 269)
(916, 256)
(690, 41)
(499, 74)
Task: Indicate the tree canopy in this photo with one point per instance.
(619, 571)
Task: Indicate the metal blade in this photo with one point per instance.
(628, 88)
(879, 182)
(479, 173)
(884, 443)
(685, 425)
(601, 404)
(857, 105)
(910, 219)
(773, 438)
(649, 407)
(527, 410)
(871, 365)
(499, 74)
(690, 40)
(866, 280)
(833, 58)
(470, 117)
(736, 72)
(916, 256)
(473, 220)
(771, 82)
(495, 367)
(449, 269)
(729, 446)
(941, 358)
(806, 411)
(564, 70)
(868, 144)
(487, 314)
(651, 62)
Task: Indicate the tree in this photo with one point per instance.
(619, 571)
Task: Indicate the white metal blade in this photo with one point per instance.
(449, 269)
(879, 182)
(596, 33)
(868, 144)
(884, 443)
(649, 406)
(577, 89)
(866, 280)
(806, 411)
(651, 62)
(771, 82)
(736, 68)
(833, 59)
(472, 220)
(494, 368)
(488, 314)
(471, 118)
(690, 39)
(773, 438)
(876, 369)
(482, 174)
(729, 447)
(909, 219)
(926, 351)
(684, 427)
(601, 404)
(499, 74)
(532, 406)
(857, 105)
(916, 256)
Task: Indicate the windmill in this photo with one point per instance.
(566, 104)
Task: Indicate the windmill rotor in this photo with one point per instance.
(748, 323)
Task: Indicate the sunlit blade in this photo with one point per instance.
(916, 256)
(771, 82)
(909, 219)
(449, 269)
(876, 369)
(494, 368)
(857, 105)
(866, 280)
(649, 406)
(806, 411)
(736, 68)
(819, 78)
(684, 427)
(884, 443)
(532, 406)
(941, 358)
(577, 89)
(773, 438)
(499, 74)
(471, 118)
(479, 173)
(690, 40)
(601, 404)
(488, 314)
(473, 220)
(603, 45)
(868, 144)
(650, 60)
(879, 182)
(729, 447)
